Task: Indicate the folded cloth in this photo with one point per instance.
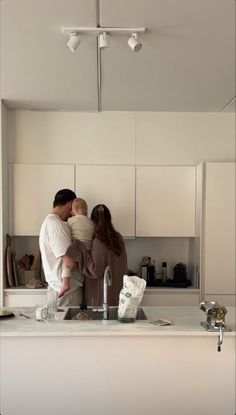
(81, 316)
(34, 283)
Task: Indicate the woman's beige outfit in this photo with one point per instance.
(92, 265)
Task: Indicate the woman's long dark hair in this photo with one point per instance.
(105, 231)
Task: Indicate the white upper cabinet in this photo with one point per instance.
(219, 230)
(33, 187)
(72, 137)
(165, 201)
(113, 186)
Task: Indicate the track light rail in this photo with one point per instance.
(99, 30)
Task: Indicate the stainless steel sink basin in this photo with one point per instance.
(98, 315)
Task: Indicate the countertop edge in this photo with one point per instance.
(125, 333)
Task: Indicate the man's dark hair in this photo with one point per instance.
(63, 196)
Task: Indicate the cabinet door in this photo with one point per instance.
(219, 230)
(165, 203)
(113, 186)
(155, 297)
(33, 189)
(24, 300)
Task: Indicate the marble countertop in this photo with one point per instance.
(186, 322)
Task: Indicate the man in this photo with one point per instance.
(54, 239)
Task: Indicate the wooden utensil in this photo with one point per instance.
(35, 262)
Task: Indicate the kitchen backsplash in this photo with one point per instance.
(170, 250)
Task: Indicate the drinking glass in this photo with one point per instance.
(52, 300)
(41, 312)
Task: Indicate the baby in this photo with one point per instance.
(82, 228)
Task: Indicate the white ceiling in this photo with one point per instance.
(187, 62)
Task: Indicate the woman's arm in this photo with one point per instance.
(69, 262)
(90, 263)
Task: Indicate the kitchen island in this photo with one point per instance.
(107, 367)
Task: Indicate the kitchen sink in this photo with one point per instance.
(93, 314)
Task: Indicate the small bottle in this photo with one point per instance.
(144, 268)
(164, 271)
(144, 272)
(151, 273)
(154, 266)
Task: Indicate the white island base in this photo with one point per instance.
(110, 368)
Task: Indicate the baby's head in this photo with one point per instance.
(79, 207)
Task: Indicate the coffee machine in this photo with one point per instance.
(215, 319)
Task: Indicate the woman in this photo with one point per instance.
(108, 248)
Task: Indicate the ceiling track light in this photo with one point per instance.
(103, 35)
(73, 42)
(134, 43)
(103, 40)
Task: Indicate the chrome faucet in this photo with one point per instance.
(107, 282)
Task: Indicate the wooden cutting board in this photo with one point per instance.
(9, 263)
(12, 271)
(16, 270)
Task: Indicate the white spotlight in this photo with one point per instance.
(134, 43)
(103, 40)
(73, 42)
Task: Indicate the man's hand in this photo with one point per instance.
(64, 287)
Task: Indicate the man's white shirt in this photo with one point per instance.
(54, 239)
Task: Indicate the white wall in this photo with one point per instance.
(184, 138)
(71, 137)
(1, 216)
(3, 190)
(120, 137)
